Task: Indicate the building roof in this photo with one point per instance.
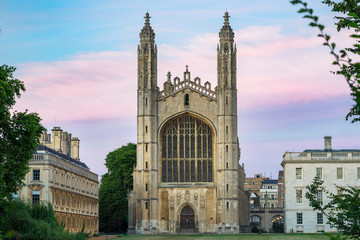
(63, 156)
(332, 150)
(270, 182)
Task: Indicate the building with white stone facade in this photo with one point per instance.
(334, 167)
(58, 176)
(188, 177)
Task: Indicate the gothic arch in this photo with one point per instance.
(187, 150)
(180, 209)
(195, 114)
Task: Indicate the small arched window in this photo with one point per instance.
(186, 99)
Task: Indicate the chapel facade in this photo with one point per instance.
(187, 177)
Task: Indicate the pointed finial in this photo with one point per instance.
(186, 68)
(168, 76)
(226, 17)
(147, 18)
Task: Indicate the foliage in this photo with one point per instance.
(19, 136)
(114, 188)
(27, 221)
(349, 11)
(342, 210)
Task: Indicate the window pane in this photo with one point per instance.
(204, 146)
(170, 171)
(298, 196)
(319, 173)
(187, 146)
(175, 171)
(204, 171)
(192, 139)
(175, 146)
(192, 171)
(169, 146)
(187, 171)
(210, 172)
(319, 196)
(182, 171)
(199, 146)
(163, 171)
(320, 218)
(35, 196)
(181, 150)
(340, 173)
(210, 145)
(298, 173)
(299, 219)
(163, 140)
(36, 174)
(199, 179)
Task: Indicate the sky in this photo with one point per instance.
(79, 65)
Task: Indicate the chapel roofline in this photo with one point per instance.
(172, 88)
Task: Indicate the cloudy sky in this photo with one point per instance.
(78, 61)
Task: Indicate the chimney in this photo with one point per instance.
(57, 139)
(45, 138)
(75, 145)
(66, 143)
(327, 143)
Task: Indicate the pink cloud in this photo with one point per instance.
(94, 85)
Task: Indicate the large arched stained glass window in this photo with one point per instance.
(186, 150)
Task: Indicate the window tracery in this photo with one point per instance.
(187, 150)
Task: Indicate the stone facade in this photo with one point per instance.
(58, 176)
(187, 176)
(334, 167)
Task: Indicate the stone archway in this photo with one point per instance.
(187, 219)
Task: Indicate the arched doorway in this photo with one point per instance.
(187, 221)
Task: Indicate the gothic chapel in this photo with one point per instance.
(187, 177)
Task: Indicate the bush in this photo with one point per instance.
(34, 221)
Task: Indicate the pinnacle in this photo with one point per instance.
(226, 18)
(147, 18)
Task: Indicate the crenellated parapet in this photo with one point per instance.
(178, 85)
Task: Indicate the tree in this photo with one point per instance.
(114, 188)
(342, 210)
(349, 11)
(19, 136)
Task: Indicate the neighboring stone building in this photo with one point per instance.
(187, 176)
(334, 167)
(265, 212)
(269, 193)
(253, 184)
(58, 176)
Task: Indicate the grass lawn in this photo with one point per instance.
(228, 237)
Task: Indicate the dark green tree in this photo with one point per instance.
(114, 188)
(348, 18)
(19, 136)
(342, 210)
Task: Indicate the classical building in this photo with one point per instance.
(334, 167)
(187, 176)
(58, 176)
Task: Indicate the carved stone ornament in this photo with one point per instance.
(187, 196)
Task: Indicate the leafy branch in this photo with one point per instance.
(347, 68)
(342, 210)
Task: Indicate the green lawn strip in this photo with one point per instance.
(227, 237)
